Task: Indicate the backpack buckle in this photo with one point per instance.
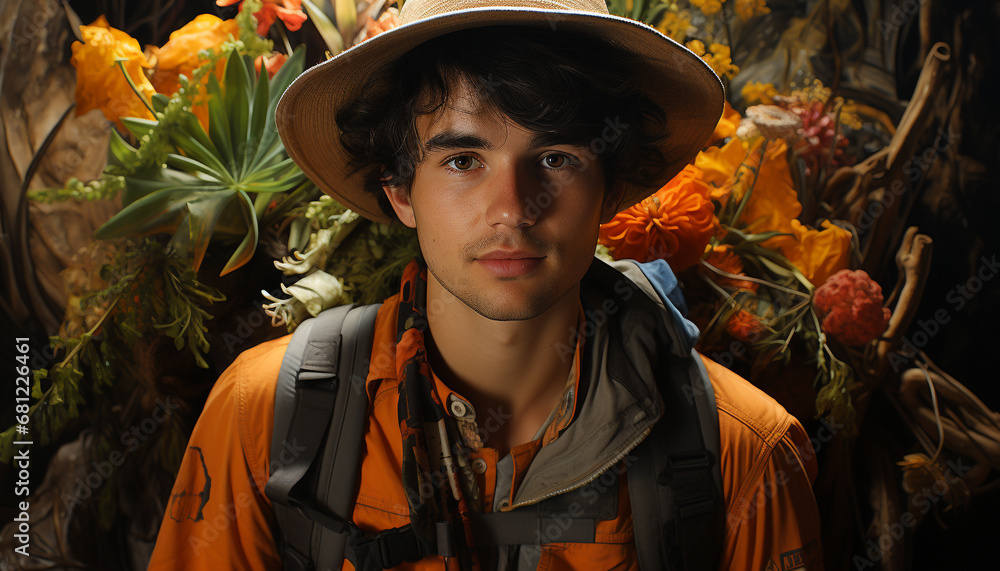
(386, 549)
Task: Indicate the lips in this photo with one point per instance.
(509, 263)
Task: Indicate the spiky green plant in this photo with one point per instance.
(203, 192)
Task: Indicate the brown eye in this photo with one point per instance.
(462, 163)
(555, 161)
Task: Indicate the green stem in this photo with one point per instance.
(121, 64)
(88, 335)
(753, 279)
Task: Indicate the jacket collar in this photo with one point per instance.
(630, 333)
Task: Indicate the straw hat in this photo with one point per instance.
(679, 81)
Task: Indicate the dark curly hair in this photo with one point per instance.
(567, 83)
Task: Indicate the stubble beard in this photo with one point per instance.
(494, 306)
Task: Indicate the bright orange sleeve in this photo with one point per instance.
(768, 466)
(217, 516)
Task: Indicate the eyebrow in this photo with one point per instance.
(450, 140)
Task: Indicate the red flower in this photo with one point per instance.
(271, 63)
(850, 305)
(290, 12)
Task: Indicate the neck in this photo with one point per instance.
(518, 369)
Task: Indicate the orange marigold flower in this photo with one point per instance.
(290, 12)
(271, 63)
(745, 326)
(674, 224)
(723, 258)
(100, 83)
(180, 56)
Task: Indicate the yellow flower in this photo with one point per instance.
(757, 92)
(747, 9)
(717, 57)
(180, 56)
(774, 206)
(675, 24)
(100, 83)
(819, 253)
(697, 46)
(709, 7)
(727, 124)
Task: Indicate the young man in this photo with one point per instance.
(513, 373)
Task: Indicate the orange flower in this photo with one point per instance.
(727, 125)
(675, 224)
(723, 258)
(290, 12)
(100, 83)
(387, 21)
(180, 56)
(745, 326)
(271, 63)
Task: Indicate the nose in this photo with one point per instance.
(506, 198)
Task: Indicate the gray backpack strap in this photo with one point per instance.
(320, 390)
(675, 484)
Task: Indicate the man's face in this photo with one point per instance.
(507, 223)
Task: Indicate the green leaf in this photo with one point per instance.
(218, 122)
(162, 211)
(237, 104)
(198, 151)
(194, 232)
(270, 145)
(36, 387)
(637, 6)
(334, 41)
(247, 247)
(159, 102)
(192, 166)
(138, 127)
(257, 120)
(7, 444)
(136, 188)
(121, 153)
(656, 14)
(267, 174)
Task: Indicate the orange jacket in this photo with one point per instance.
(218, 516)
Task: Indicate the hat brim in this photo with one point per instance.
(680, 82)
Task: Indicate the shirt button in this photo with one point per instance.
(479, 466)
(458, 408)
